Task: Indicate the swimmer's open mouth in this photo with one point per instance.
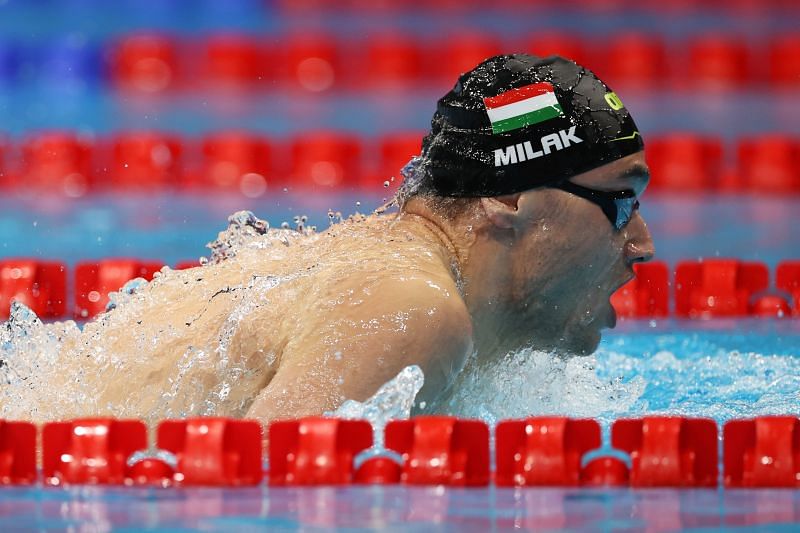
(624, 282)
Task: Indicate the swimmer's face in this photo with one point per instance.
(572, 259)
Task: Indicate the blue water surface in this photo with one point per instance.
(173, 228)
(395, 508)
(721, 369)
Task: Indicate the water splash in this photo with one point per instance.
(393, 401)
(243, 226)
(415, 174)
(716, 374)
(181, 365)
(201, 341)
(28, 350)
(530, 382)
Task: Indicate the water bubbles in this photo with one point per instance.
(243, 228)
(253, 185)
(299, 223)
(414, 175)
(134, 285)
(334, 217)
(246, 219)
(386, 184)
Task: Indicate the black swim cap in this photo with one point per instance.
(516, 122)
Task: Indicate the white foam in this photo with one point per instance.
(529, 383)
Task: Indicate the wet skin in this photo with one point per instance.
(292, 330)
(533, 269)
(539, 267)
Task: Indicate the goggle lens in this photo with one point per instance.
(618, 206)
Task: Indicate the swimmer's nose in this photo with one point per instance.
(639, 247)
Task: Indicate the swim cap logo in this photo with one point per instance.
(614, 102)
(521, 152)
(522, 107)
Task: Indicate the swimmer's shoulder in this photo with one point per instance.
(433, 301)
(437, 330)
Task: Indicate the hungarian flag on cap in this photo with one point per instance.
(522, 107)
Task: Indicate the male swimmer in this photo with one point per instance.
(516, 223)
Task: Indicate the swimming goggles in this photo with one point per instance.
(618, 206)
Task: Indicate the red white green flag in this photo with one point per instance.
(522, 107)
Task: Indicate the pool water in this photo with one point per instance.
(395, 508)
(721, 369)
(173, 228)
(718, 369)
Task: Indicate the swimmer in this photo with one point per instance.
(515, 224)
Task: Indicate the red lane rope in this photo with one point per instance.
(661, 451)
(68, 164)
(710, 288)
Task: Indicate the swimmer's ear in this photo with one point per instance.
(501, 210)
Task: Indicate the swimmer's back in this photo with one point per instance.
(211, 339)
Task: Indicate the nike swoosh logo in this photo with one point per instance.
(630, 137)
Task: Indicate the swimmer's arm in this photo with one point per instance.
(364, 346)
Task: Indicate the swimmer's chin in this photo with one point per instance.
(579, 343)
(589, 339)
(586, 340)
